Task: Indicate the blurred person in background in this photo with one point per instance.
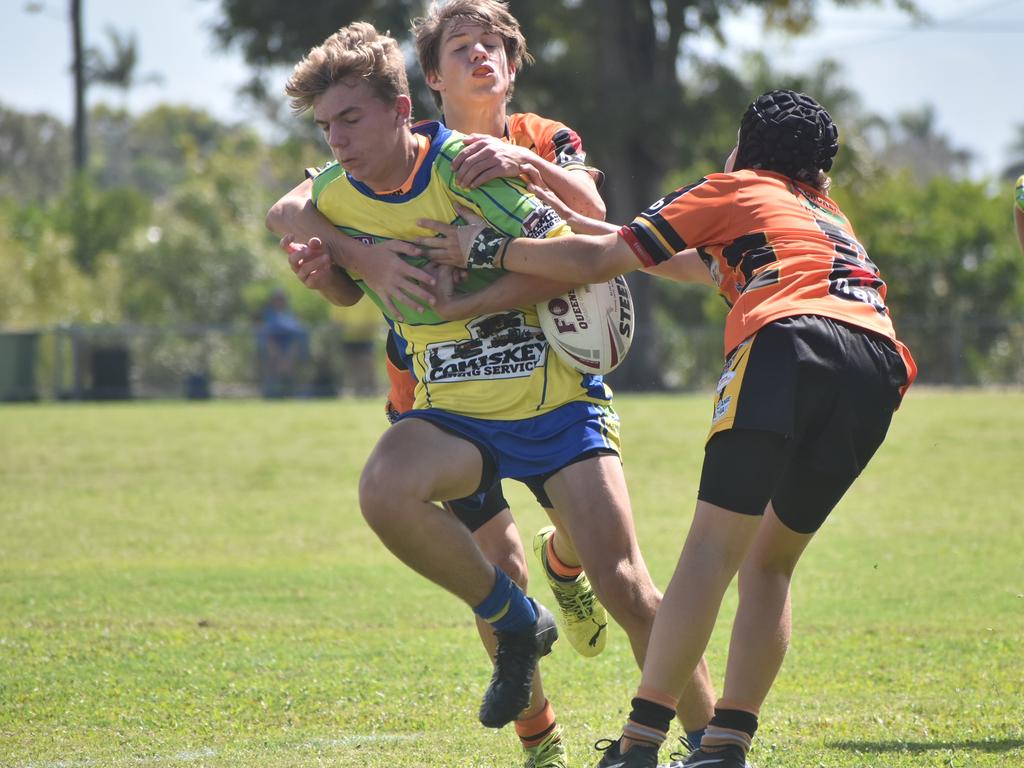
(282, 343)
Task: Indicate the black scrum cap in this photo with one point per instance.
(787, 132)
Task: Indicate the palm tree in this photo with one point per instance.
(80, 153)
(916, 143)
(118, 67)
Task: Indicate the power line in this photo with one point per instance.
(965, 23)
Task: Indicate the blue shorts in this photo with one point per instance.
(531, 450)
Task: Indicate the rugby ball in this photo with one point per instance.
(590, 327)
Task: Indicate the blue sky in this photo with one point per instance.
(969, 65)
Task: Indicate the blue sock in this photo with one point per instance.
(694, 737)
(506, 609)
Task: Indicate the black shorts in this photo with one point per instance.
(391, 348)
(801, 407)
(476, 510)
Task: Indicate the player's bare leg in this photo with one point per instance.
(593, 501)
(763, 623)
(412, 463)
(561, 541)
(715, 547)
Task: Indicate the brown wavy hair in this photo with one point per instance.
(492, 15)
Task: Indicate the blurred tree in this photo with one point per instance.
(155, 151)
(955, 276)
(34, 155)
(914, 142)
(115, 66)
(611, 70)
(43, 285)
(206, 242)
(99, 220)
(177, 239)
(78, 70)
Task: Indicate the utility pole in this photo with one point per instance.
(81, 148)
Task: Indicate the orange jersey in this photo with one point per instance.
(401, 392)
(555, 142)
(775, 247)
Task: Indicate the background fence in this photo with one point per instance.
(132, 362)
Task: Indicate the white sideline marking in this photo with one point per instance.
(368, 738)
(192, 755)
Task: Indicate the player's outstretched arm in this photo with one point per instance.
(579, 259)
(685, 267)
(573, 259)
(507, 292)
(381, 266)
(579, 222)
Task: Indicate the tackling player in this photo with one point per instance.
(812, 376)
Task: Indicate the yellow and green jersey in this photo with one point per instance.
(495, 366)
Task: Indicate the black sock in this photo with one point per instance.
(648, 722)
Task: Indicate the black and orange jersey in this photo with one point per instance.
(554, 141)
(775, 248)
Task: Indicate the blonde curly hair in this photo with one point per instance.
(355, 51)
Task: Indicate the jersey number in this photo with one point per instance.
(854, 276)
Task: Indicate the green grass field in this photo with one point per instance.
(193, 585)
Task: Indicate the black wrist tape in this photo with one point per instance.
(487, 251)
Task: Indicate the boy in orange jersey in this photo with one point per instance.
(812, 376)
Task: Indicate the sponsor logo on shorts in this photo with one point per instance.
(723, 382)
(721, 409)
